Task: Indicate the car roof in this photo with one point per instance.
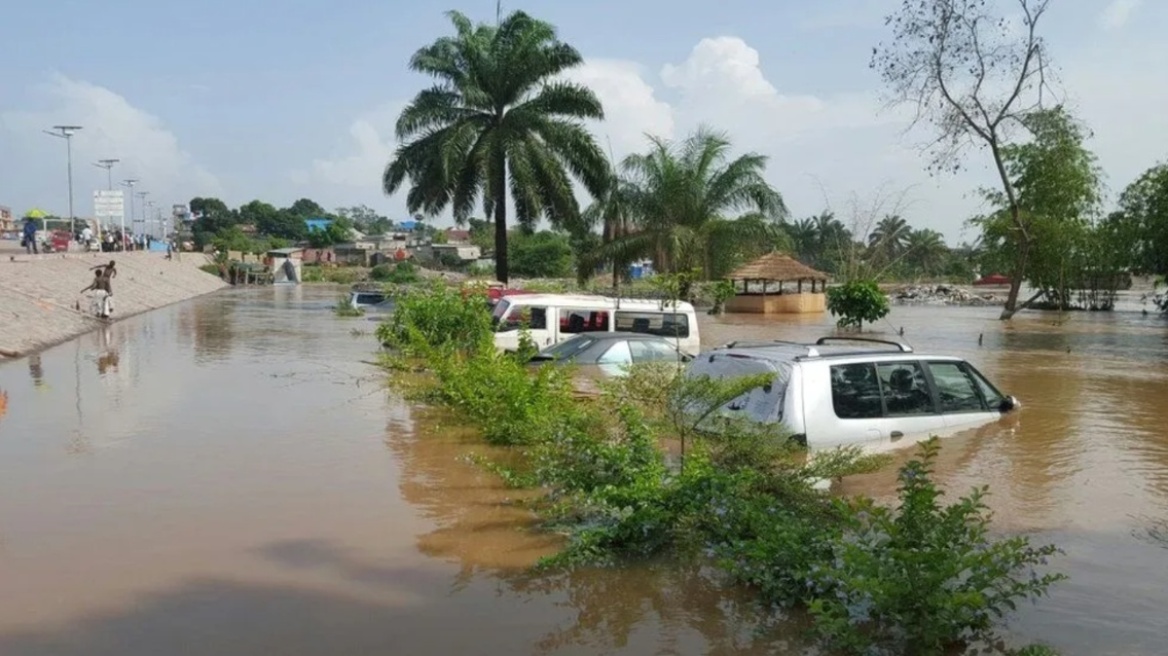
(590, 300)
(606, 336)
(852, 349)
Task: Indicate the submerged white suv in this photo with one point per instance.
(844, 391)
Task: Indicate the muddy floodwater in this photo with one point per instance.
(227, 477)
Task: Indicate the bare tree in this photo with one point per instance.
(974, 75)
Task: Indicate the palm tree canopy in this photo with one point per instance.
(498, 119)
(684, 198)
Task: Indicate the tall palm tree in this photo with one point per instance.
(612, 210)
(498, 119)
(683, 197)
(926, 249)
(890, 237)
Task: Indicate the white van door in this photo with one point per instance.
(963, 398)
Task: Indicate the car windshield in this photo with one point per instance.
(568, 349)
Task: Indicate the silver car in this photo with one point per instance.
(843, 391)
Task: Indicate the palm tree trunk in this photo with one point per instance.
(499, 172)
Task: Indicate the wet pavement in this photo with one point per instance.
(227, 477)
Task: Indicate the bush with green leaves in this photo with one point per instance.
(437, 319)
(857, 302)
(921, 577)
(402, 273)
(914, 579)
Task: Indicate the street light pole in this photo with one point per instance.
(66, 132)
(108, 165)
(143, 195)
(128, 182)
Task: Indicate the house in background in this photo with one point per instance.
(456, 236)
(7, 223)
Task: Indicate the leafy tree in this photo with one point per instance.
(612, 210)
(857, 301)
(680, 195)
(1056, 185)
(307, 209)
(210, 215)
(499, 118)
(544, 254)
(482, 233)
(926, 252)
(273, 222)
(336, 232)
(365, 219)
(1145, 203)
(974, 76)
(889, 238)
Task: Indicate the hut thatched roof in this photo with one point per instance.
(777, 267)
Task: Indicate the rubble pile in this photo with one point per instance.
(943, 295)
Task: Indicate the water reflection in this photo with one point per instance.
(36, 370)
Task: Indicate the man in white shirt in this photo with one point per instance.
(87, 237)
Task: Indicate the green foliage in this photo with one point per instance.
(543, 254)
(721, 291)
(1145, 204)
(673, 203)
(910, 580)
(334, 233)
(314, 273)
(402, 273)
(345, 308)
(855, 302)
(430, 321)
(500, 118)
(1057, 188)
(921, 577)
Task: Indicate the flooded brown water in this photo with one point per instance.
(226, 477)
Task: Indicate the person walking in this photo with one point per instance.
(28, 238)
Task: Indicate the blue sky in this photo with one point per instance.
(249, 99)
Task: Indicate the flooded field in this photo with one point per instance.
(227, 477)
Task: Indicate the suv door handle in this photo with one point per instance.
(896, 435)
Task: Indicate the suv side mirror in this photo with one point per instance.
(1009, 403)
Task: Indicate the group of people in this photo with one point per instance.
(110, 242)
(103, 298)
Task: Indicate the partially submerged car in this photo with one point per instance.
(611, 353)
(843, 391)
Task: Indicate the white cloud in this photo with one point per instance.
(631, 107)
(369, 147)
(1117, 13)
(112, 128)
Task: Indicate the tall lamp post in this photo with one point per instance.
(128, 182)
(66, 132)
(142, 195)
(108, 165)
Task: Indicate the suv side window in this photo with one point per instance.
(957, 390)
(906, 391)
(855, 391)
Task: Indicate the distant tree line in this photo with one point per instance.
(501, 131)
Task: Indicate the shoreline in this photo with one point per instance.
(40, 305)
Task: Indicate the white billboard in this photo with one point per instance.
(109, 205)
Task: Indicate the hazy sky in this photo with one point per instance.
(246, 99)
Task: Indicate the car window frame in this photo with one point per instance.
(965, 368)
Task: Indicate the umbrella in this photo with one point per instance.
(36, 213)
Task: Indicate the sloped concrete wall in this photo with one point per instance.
(39, 294)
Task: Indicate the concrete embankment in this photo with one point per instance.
(40, 304)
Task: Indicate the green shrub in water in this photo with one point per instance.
(921, 577)
(857, 302)
(918, 578)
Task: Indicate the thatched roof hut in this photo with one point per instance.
(780, 268)
(777, 268)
